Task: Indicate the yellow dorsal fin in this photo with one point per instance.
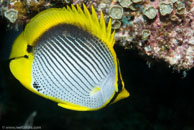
(108, 33)
(95, 21)
(95, 17)
(102, 25)
(80, 11)
(75, 16)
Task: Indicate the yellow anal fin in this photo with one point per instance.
(74, 107)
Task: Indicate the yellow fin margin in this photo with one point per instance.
(75, 16)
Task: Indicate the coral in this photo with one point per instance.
(116, 12)
(165, 8)
(21, 11)
(11, 15)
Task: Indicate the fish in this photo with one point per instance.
(66, 55)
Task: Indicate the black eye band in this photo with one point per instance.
(29, 48)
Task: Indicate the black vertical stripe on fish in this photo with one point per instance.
(84, 48)
(48, 68)
(56, 67)
(106, 53)
(103, 62)
(80, 68)
(67, 68)
(60, 89)
(89, 57)
(90, 86)
(46, 72)
(76, 60)
(102, 56)
(104, 48)
(88, 60)
(40, 60)
(69, 86)
(73, 65)
(108, 56)
(99, 52)
(87, 51)
(96, 48)
(83, 64)
(84, 54)
(77, 56)
(52, 57)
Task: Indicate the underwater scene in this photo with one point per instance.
(97, 64)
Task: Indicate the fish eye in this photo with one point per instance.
(29, 48)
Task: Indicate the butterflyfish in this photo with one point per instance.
(66, 55)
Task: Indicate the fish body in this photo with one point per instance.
(66, 55)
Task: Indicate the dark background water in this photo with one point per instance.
(160, 98)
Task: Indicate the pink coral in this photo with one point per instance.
(171, 37)
(174, 42)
